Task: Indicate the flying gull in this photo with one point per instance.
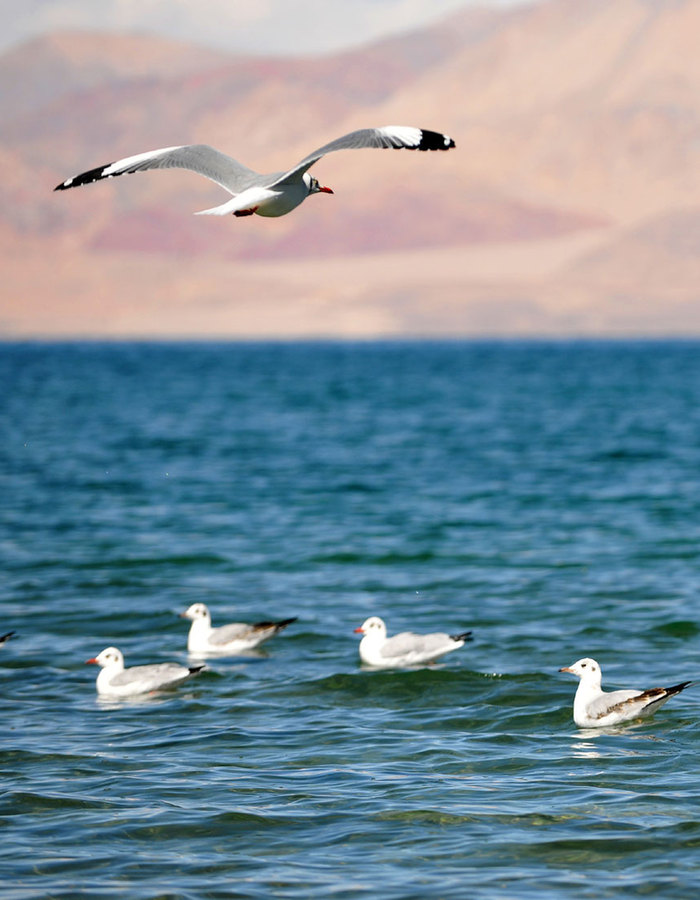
(265, 195)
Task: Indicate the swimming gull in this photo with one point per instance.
(406, 648)
(116, 681)
(594, 707)
(227, 639)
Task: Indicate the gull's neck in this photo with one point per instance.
(108, 672)
(373, 639)
(201, 626)
(587, 691)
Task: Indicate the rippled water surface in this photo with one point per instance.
(547, 496)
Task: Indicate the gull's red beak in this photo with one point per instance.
(566, 669)
(359, 629)
(88, 661)
(324, 190)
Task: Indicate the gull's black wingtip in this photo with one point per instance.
(465, 636)
(279, 625)
(71, 182)
(96, 174)
(434, 140)
(677, 688)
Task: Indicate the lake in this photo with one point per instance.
(545, 495)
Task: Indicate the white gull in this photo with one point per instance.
(594, 707)
(116, 681)
(237, 637)
(406, 648)
(275, 194)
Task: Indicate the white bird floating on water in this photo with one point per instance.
(595, 708)
(227, 639)
(266, 195)
(406, 648)
(116, 681)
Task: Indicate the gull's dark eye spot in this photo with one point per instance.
(583, 665)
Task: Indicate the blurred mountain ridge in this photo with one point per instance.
(570, 205)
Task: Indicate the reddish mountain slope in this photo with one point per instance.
(578, 143)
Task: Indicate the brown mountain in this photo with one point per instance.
(569, 205)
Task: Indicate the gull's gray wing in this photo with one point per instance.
(199, 158)
(156, 673)
(398, 137)
(421, 644)
(612, 701)
(633, 703)
(236, 631)
(240, 632)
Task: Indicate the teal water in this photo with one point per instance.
(547, 496)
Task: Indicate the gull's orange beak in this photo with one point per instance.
(566, 669)
(89, 661)
(325, 190)
(359, 629)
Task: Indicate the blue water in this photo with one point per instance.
(546, 496)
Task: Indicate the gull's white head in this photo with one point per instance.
(586, 669)
(313, 185)
(198, 612)
(373, 626)
(108, 658)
